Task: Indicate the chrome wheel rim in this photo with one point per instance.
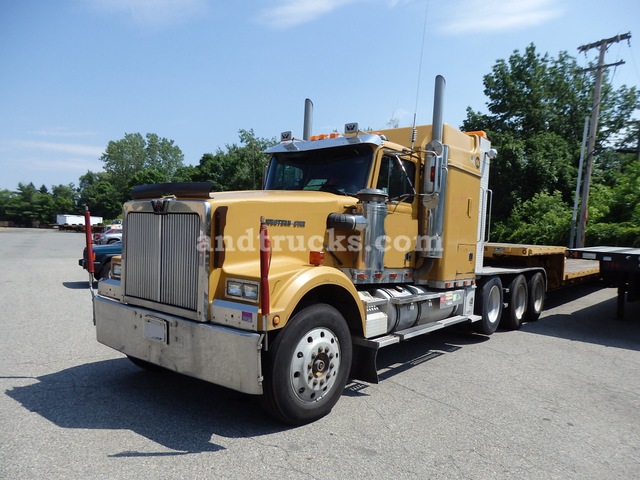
(520, 301)
(493, 305)
(315, 365)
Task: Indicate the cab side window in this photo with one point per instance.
(393, 180)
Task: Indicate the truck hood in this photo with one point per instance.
(327, 200)
(296, 223)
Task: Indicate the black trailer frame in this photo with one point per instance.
(619, 267)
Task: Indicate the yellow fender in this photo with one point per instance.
(290, 283)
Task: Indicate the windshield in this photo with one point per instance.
(342, 170)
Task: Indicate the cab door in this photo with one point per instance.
(398, 178)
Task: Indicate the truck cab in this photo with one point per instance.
(357, 242)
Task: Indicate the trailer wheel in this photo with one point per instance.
(307, 366)
(489, 305)
(537, 289)
(517, 304)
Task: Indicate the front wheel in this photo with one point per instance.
(489, 305)
(307, 366)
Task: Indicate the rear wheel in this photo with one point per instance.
(307, 366)
(537, 288)
(104, 271)
(517, 303)
(489, 305)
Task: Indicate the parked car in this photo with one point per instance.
(110, 236)
(102, 255)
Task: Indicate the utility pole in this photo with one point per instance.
(593, 126)
(574, 215)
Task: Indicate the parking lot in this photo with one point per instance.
(559, 398)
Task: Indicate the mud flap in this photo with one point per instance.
(363, 364)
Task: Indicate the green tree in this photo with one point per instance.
(614, 212)
(543, 219)
(147, 176)
(65, 199)
(9, 205)
(537, 106)
(97, 191)
(626, 195)
(43, 207)
(187, 173)
(27, 206)
(132, 154)
(6, 197)
(241, 167)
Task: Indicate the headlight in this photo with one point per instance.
(243, 289)
(116, 270)
(234, 288)
(250, 291)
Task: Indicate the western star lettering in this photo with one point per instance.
(276, 222)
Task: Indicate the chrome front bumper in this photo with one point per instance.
(217, 354)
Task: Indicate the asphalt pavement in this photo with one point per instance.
(558, 399)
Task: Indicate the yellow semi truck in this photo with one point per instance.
(356, 242)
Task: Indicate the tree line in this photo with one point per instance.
(136, 160)
(536, 108)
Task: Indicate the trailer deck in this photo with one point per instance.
(560, 270)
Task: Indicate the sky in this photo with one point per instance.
(76, 74)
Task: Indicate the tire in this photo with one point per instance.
(537, 288)
(307, 366)
(104, 271)
(113, 240)
(517, 303)
(489, 305)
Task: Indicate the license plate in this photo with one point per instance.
(155, 329)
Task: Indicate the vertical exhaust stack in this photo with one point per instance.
(434, 181)
(438, 108)
(308, 119)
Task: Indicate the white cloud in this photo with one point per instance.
(290, 13)
(395, 3)
(75, 165)
(61, 132)
(153, 13)
(52, 147)
(487, 16)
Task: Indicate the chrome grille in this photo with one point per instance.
(162, 258)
